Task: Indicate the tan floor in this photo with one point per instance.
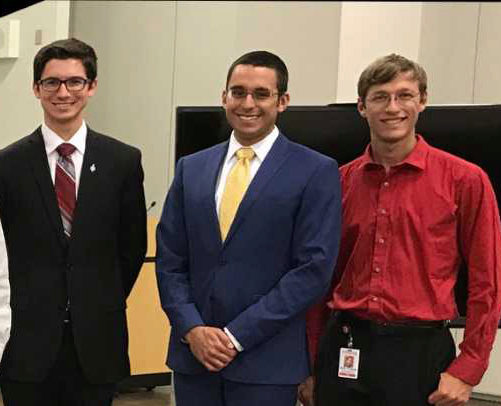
(160, 396)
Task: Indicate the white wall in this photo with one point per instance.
(134, 42)
(154, 56)
(304, 34)
(369, 31)
(487, 85)
(448, 50)
(20, 111)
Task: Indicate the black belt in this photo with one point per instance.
(393, 327)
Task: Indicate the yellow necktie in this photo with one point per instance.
(234, 190)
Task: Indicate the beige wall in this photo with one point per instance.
(154, 56)
(371, 30)
(447, 50)
(487, 84)
(20, 111)
(304, 34)
(134, 42)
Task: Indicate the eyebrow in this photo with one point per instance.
(243, 87)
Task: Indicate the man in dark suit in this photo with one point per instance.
(73, 212)
(237, 267)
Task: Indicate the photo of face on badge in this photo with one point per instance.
(348, 361)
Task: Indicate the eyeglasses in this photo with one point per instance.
(380, 100)
(73, 84)
(259, 95)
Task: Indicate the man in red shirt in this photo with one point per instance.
(411, 214)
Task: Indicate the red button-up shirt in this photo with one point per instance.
(404, 234)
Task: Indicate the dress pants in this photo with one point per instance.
(64, 386)
(398, 366)
(210, 389)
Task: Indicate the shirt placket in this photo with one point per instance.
(382, 237)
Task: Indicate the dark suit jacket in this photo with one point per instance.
(95, 269)
(277, 260)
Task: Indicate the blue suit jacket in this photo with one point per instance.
(276, 261)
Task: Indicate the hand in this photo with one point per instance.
(305, 391)
(451, 391)
(211, 346)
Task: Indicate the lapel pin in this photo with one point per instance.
(93, 168)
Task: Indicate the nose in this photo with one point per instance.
(249, 100)
(62, 91)
(393, 104)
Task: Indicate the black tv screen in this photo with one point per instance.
(472, 132)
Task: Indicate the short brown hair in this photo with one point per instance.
(71, 48)
(385, 69)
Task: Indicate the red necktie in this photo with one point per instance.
(65, 185)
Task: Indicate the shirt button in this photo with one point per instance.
(381, 241)
(383, 211)
(377, 269)
(374, 299)
(386, 184)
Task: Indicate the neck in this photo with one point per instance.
(64, 130)
(247, 141)
(390, 154)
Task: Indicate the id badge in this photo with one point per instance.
(348, 363)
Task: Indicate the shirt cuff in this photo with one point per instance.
(235, 342)
(467, 369)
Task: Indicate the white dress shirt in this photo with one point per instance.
(261, 149)
(5, 311)
(52, 141)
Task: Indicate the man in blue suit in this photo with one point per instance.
(247, 242)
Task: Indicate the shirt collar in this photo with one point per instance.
(260, 148)
(52, 140)
(417, 157)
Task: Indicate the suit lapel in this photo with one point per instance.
(213, 167)
(273, 161)
(88, 179)
(41, 171)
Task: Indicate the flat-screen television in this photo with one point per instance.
(472, 132)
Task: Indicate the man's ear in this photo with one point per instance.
(92, 87)
(361, 107)
(36, 90)
(283, 102)
(423, 100)
(224, 95)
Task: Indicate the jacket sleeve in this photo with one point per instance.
(172, 261)
(132, 224)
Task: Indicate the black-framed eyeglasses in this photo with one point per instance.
(73, 84)
(259, 95)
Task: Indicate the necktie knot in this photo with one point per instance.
(245, 153)
(65, 149)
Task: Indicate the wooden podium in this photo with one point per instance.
(148, 326)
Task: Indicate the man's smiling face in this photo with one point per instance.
(62, 107)
(392, 109)
(251, 119)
